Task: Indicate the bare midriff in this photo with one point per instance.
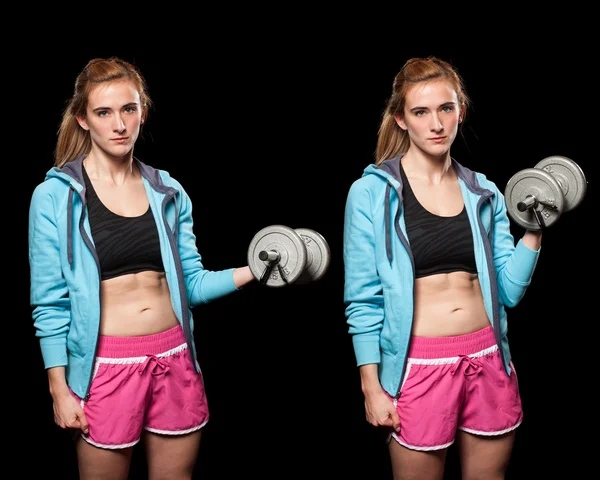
(448, 304)
(136, 304)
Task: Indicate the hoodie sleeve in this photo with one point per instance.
(514, 265)
(49, 296)
(363, 294)
(203, 286)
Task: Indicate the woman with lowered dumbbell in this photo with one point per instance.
(115, 273)
(430, 268)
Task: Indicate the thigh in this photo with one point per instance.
(100, 463)
(171, 456)
(410, 464)
(484, 457)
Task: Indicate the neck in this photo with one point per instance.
(432, 169)
(117, 170)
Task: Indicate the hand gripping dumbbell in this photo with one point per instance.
(537, 197)
(279, 256)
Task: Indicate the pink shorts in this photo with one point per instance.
(143, 383)
(455, 383)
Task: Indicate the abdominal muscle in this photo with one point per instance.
(448, 304)
(136, 304)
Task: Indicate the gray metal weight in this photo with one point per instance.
(276, 256)
(279, 255)
(318, 255)
(569, 176)
(537, 197)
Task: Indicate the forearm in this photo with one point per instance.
(369, 379)
(57, 382)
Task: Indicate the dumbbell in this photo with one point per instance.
(279, 255)
(537, 197)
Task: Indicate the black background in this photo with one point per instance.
(260, 135)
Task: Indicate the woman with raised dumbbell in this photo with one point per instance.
(115, 273)
(430, 268)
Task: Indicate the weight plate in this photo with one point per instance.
(318, 255)
(290, 249)
(569, 176)
(543, 187)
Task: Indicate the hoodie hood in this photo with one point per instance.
(389, 170)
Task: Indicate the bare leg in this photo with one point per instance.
(101, 463)
(483, 457)
(410, 464)
(171, 456)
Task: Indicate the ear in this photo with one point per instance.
(82, 122)
(400, 121)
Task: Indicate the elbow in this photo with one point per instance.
(511, 297)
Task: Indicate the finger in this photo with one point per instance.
(385, 421)
(395, 420)
(83, 423)
(79, 422)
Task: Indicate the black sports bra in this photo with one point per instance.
(439, 244)
(124, 244)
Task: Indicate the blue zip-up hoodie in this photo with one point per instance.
(65, 270)
(379, 266)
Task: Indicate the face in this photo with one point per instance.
(113, 117)
(431, 117)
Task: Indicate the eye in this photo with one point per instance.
(419, 113)
(131, 109)
(102, 113)
(448, 108)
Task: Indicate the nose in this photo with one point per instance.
(436, 124)
(119, 124)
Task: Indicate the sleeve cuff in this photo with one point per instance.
(54, 352)
(366, 349)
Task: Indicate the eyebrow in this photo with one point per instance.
(131, 104)
(425, 108)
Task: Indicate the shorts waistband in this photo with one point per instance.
(442, 347)
(140, 346)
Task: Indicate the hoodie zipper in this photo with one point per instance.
(406, 245)
(489, 258)
(172, 237)
(88, 242)
(403, 371)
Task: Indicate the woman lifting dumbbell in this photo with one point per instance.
(431, 267)
(109, 339)
(115, 274)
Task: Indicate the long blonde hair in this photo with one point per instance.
(391, 139)
(73, 140)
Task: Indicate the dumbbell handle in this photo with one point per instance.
(531, 201)
(271, 256)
